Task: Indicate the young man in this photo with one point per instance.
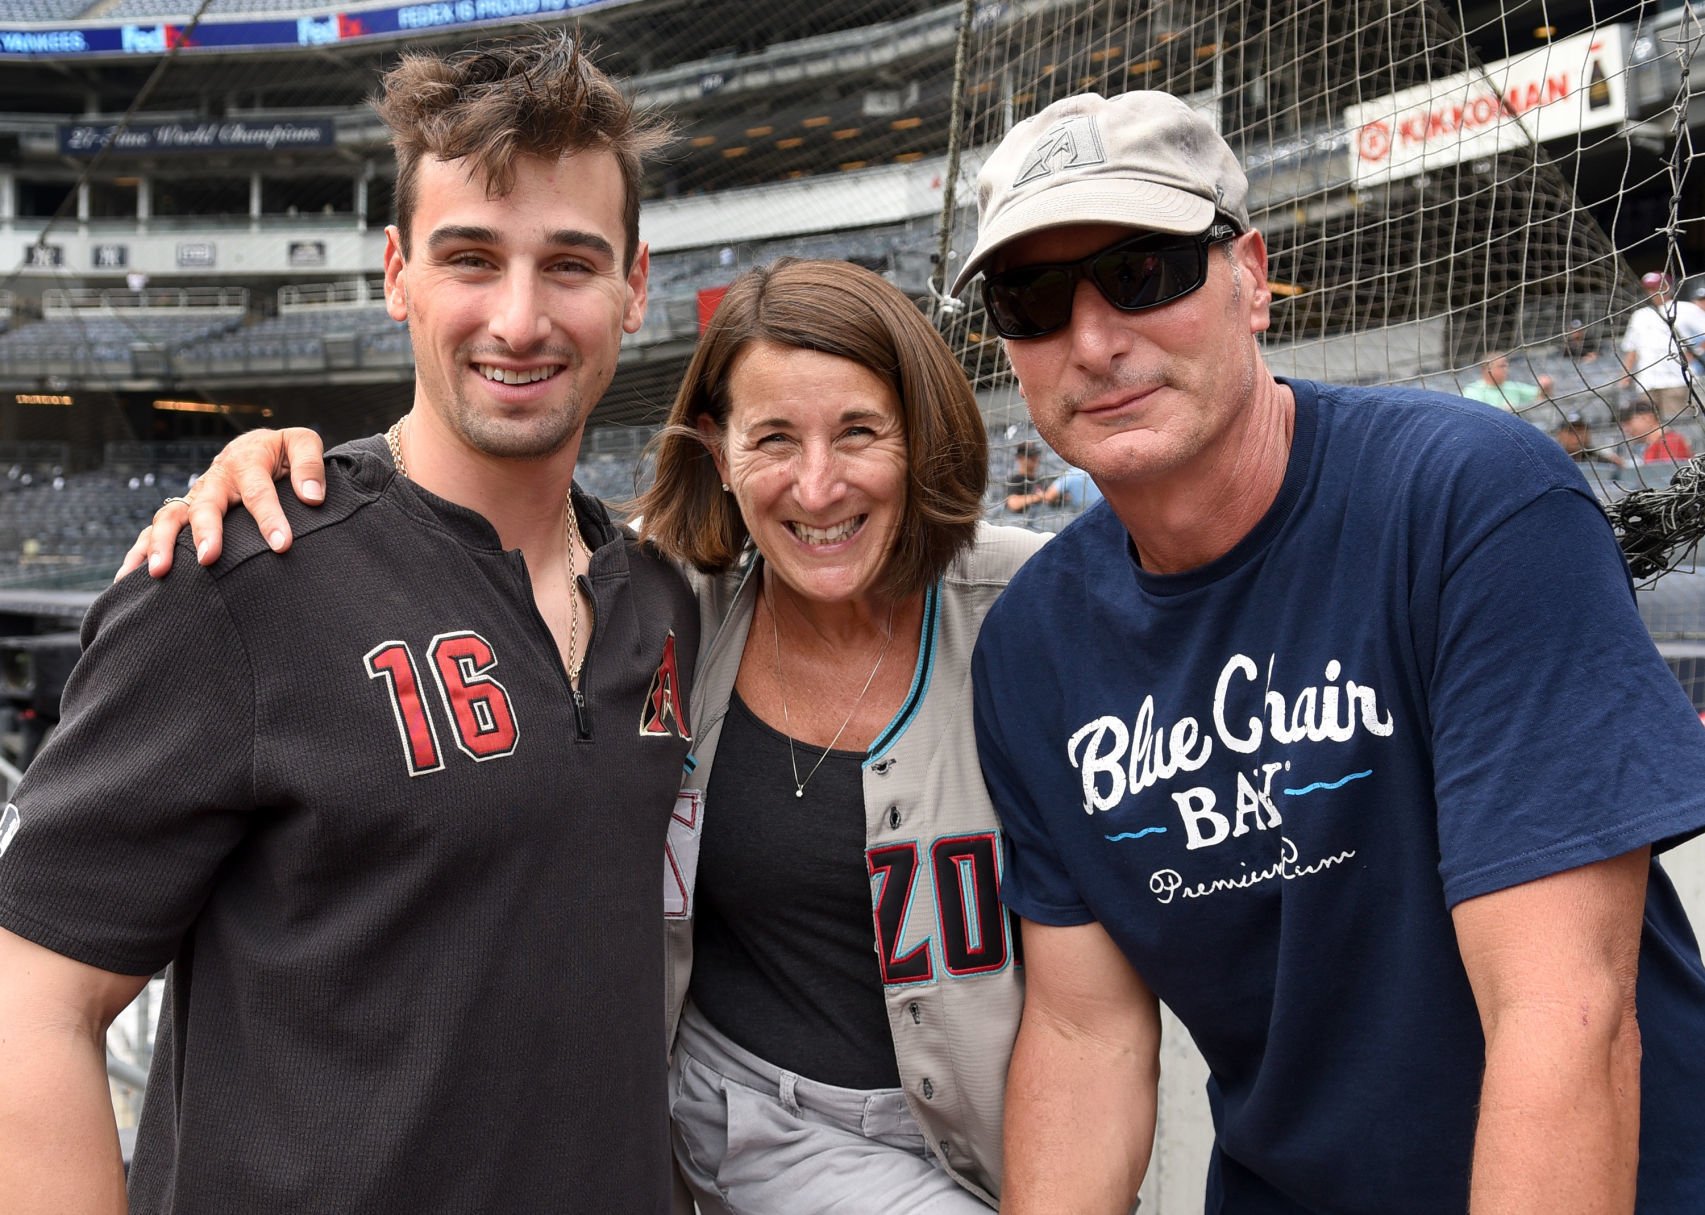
(391, 809)
(1297, 768)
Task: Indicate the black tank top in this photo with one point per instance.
(784, 953)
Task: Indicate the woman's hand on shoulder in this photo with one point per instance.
(243, 473)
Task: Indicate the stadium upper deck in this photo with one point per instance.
(279, 132)
(264, 168)
(281, 136)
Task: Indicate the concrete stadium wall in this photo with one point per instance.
(1395, 352)
(827, 203)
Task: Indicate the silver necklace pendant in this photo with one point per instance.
(787, 722)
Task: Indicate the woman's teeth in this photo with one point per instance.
(827, 535)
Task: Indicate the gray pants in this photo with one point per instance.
(751, 1139)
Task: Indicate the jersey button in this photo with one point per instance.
(929, 1089)
(917, 1013)
(894, 817)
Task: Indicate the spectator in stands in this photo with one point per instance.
(402, 980)
(1274, 740)
(1642, 425)
(1577, 343)
(1074, 490)
(822, 472)
(1494, 387)
(1575, 437)
(1023, 490)
(1660, 340)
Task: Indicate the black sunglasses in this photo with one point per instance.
(1144, 271)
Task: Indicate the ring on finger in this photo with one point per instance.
(170, 500)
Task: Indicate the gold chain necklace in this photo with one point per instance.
(571, 532)
(787, 725)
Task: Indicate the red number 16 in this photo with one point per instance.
(476, 704)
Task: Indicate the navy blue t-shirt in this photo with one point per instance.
(1419, 679)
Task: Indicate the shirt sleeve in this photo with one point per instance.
(1631, 336)
(1689, 323)
(1034, 881)
(126, 815)
(1560, 736)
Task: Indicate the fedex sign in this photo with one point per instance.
(143, 39)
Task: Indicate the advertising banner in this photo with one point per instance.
(156, 38)
(1573, 85)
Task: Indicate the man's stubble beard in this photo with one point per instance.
(535, 438)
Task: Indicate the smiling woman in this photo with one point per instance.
(814, 452)
(840, 310)
(823, 471)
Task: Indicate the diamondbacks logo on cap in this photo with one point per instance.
(8, 826)
(1070, 144)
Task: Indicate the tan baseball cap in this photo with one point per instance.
(1142, 159)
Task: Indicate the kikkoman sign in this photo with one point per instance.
(227, 135)
(1570, 86)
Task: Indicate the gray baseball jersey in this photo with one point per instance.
(948, 951)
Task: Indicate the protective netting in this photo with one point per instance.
(1437, 185)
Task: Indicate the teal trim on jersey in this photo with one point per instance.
(920, 678)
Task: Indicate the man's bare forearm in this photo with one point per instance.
(1080, 1118)
(56, 1120)
(1553, 963)
(60, 1146)
(1559, 1125)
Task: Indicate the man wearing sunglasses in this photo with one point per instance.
(1298, 771)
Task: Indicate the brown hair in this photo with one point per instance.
(537, 95)
(840, 309)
